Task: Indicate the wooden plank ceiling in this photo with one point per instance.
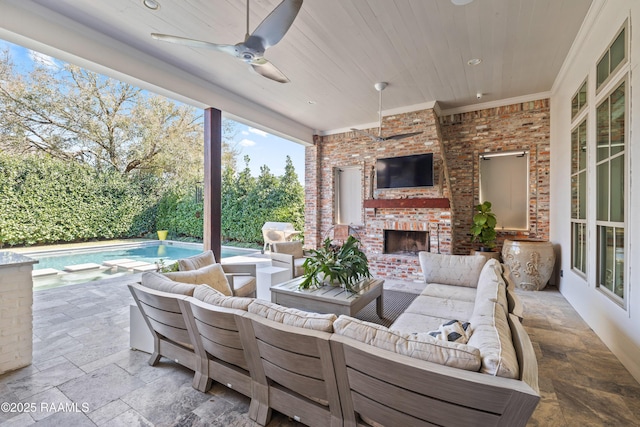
(337, 49)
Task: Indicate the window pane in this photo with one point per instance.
(574, 106)
(575, 150)
(582, 96)
(619, 269)
(575, 202)
(617, 51)
(583, 247)
(579, 247)
(603, 70)
(582, 195)
(602, 182)
(606, 261)
(617, 189)
(582, 152)
(575, 233)
(602, 130)
(617, 120)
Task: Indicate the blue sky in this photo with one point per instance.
(261, 147)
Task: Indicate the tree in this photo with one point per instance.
(74, 114)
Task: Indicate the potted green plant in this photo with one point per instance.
(484, 227)
(336, 265)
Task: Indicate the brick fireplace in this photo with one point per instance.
(405, 242)
(443, 211)
(427, 229)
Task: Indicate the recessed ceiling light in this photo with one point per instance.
(461, 2)
(474, 61)
(151, 4)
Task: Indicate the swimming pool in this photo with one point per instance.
(149, 253)
(98, 263)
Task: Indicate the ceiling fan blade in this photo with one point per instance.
(268, 70)
(277, 23)
(363, 133)
(400, 136)
(230, 49)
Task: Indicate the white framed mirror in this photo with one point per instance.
(504, 181)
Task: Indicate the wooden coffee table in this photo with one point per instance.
(329, 299)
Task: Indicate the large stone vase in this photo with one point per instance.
(530, 261)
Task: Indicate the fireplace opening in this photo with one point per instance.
(401, 242)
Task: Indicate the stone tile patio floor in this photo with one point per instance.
(81, 356)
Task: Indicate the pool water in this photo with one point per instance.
(165, 253)
(151, 254)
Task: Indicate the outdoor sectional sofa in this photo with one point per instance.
(325, 370)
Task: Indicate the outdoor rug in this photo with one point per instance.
(395, 302)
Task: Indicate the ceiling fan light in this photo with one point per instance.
(151, 4)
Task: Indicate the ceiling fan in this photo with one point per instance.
(379, 138)
(251, 50)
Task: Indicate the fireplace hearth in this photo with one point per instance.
(403, 242)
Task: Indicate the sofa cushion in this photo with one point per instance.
(292, 316)
(211, 275)
(420, 346)
(290, 248)
(491, 334)
(454, 331)
(197, 261)
(441, 307)
(159, 282)
(491, 285)
(458, 270)
(206, 293)
(411, 323)
(460, 293)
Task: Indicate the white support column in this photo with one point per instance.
(16, 314)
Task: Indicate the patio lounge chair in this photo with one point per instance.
(273, 232)
(289, 255)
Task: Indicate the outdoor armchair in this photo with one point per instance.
(289, 255)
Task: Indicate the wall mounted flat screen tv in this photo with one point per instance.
(405, 171)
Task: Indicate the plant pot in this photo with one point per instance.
(162, 234)
(530, 261)
(488, 254)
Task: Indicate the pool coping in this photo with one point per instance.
(110, 244)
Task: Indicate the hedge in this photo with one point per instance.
(46, 200)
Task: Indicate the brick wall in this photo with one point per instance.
(522, 126)
(463, 137)
(351, 149)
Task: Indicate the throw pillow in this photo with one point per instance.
(197, 261)
(159, 282)
(206, 293)
(212, 275)
(454, 331)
